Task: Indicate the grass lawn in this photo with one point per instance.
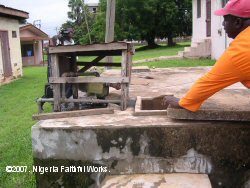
(18, 104)
(178, 63)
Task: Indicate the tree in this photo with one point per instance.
(135, 20)
(77, 8)
(77, 13)
(99, 26)
(147, 20)
(167, 19)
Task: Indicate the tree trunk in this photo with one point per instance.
(151, 42)
(170, 41)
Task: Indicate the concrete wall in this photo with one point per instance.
(10, 25)
(219, 40)
(199, 24)
(123, 144)
(1, 63)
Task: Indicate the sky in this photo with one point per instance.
(52, 13)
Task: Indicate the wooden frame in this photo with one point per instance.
(123, 49)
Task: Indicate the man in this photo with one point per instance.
(232, 67)
(65, 37)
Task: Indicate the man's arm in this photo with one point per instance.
(223, 74)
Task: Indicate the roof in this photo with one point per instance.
(30, 32)
(13, 13)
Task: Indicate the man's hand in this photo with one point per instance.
(171, 100)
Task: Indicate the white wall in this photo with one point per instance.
(218, 39)
(10, 25)
(199, 24)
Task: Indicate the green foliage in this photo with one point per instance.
(98, 28)
(77, 8)
(147, 20)
(135, 20)
(80, 20)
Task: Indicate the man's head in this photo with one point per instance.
(236, 15)
(67, 33)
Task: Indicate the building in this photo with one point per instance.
(10, 49)
(32, 44)
(209, 38)
(93, 7)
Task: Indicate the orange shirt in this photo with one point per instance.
(233, 66)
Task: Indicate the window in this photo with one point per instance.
(14, 35)
(223, 2)
(198, 8)
(27, 50)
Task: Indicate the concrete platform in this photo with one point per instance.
(231, 104)
(157, 181)
(127, 144)
(123, 144)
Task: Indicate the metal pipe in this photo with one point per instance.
(45, 100)
(39, 103)
(90, 101)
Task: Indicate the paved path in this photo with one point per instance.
(159, 59)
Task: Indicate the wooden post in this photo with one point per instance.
(110, 25)
(124, 86)
(56, 87)
(74, 86)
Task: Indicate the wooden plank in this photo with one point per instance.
(124, 86)
(115, 64)
(93, 63)
(110, 21)
(110, 25)
(56, 80)
(130, 53)
(67, 114)
(56, 87)
(114, 46)
(75, 85)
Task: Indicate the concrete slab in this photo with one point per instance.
(177, 81)
(169, 81)
(209, 114)
(157, 181)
